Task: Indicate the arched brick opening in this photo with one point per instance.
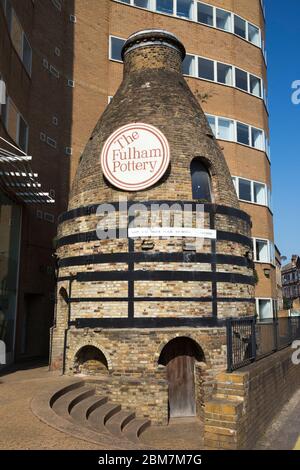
(90, 360)
(179, 356)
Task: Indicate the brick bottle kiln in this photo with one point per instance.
(146, 315)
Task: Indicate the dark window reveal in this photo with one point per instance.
(200, 181)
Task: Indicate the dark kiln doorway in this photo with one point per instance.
(89, 360)
(179, 357)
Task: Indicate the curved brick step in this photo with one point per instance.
(100, 415)
(135, 428)
(81, 410)
(118, 421)
(63, 405)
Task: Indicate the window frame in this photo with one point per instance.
(253, 182)
(194, 17)
(270, 245)
(271, 301)
(234, 134)
(111, 36)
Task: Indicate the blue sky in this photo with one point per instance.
(283, 47)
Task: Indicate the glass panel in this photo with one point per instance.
(165, 6)
(265, 309)
(8, 14)
(255, 86)
(184, 8)
(253, 34)
(260, 193)
(200, 181)
(241, 79)
(142, 3)
(116, 48)
(206, 69)
(9, 257)
(223, 20)
(205, 14)
(27, 54)
(262, 251)
(225, 129)
(125, 1)
(243, 134)
(23, 134)
(240, 27)
(212, 123)
(224, 74)
(245, 190)
(188, 65)
(257, 139)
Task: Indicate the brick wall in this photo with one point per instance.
(245, 402)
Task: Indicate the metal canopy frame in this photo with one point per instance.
(17, 177)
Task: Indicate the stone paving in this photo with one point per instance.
(20, 429)
(284, 431)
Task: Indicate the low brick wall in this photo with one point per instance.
(148, 397)
(246, 401)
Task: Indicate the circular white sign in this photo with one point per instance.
(135, 156)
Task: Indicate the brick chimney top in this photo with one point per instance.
(153, 37)
(294, 259)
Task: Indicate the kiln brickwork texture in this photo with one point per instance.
(130, 298)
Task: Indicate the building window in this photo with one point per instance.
(241, 79)
(141, 3)
(253, 34)
(223, 20)
(184, 8)
(252, 191)
(264, 309)
(23, 134)
(212, 123)
(15, 124)
(260, 194)
(243, 134)
(225, 129)
(263, 251)
(240, 26)
(188, 65)
(18, 37)
(27, 54)
(224, 74)
(255, 86)
(205, 14)
(234, 131)
(201, 188)
(206, 69)
(116, 45)
(245, 190)
(257, 139)
(165, 6)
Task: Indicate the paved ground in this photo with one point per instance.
(284, 432)
(180, 434)
(20, 429)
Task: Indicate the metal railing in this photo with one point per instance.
(249, 339)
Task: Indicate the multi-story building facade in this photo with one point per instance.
(35, 133)
(61, 64)
(291, 279)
